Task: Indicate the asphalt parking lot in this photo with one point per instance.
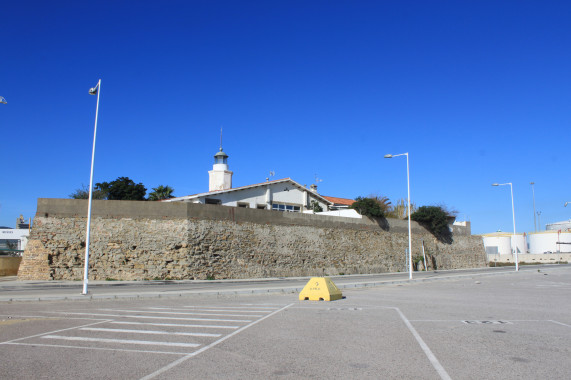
(508, 326)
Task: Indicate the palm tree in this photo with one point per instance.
(161, 192)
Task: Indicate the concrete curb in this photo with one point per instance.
(233, 292)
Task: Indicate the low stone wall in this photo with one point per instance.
(155, 240)
(547, 258)
(9, 265)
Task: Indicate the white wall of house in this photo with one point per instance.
(343, 213)
(264, 196)
(18, 235)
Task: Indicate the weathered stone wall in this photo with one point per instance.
(154, 240)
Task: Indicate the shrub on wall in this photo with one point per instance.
(434, 219)
(368, 207)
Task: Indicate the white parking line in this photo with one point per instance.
(240, 308)
(53, 332)
(559, 323)
(179, 313)
(435, 363)
(157, 317)
(149, 332)
(177, 362)
(100, 348)
(122, 341)
(214, 310)
(174, 325)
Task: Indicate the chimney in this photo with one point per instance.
(313, 188)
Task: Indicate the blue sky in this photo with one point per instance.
(476, 91)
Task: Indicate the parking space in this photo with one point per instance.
(516, 325)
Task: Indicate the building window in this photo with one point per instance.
(261, 207)
(243, 204)
(212, 201)
(284, 207)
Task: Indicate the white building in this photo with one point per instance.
(503, 243)
(550, 242)
(559, 226)
(13, 238)
(280, 195)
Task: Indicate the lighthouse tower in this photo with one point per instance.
(220, 178)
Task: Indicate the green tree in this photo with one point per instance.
(369, 207)
(400, 210)
(83, 193)
(161, 192)
(316, 207)
(435, 219)
(123, 188)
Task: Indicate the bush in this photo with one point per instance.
(368, 207)
(435, 220)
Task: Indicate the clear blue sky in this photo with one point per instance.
(476, 91)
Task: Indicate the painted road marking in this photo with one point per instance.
(267, 309)
(104, 324)
(123, 341)
(174, 325)
(433, 360)
(99, 348)
(157, 317)
(216, 310)
(179, 313)
(183, 359)
(486, 322)
(149, 332)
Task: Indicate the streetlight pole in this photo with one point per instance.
(409, 229)
(533, 192)
(513, 216)
(93, 91)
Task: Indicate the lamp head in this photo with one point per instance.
(566, 203)
(495, 184)
(93, 91)
(388, 156)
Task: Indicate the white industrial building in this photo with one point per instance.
(549, 242)
(280, 195)
(545, 242)
(503, 243)
(559, 226)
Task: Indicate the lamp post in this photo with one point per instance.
(539, 219)
(513, 216)
(408, 190)
(533, 192)
(92, 91)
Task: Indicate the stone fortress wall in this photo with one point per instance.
(133, 240)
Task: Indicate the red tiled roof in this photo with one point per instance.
(340, 201)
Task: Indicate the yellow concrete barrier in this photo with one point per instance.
(320, 289)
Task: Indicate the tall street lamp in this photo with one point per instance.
(533, 192)
(513, 215)
(92, 91)
(409, 233)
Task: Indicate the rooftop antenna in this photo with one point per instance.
(272, 173)
(221, 139)
(317, 180)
